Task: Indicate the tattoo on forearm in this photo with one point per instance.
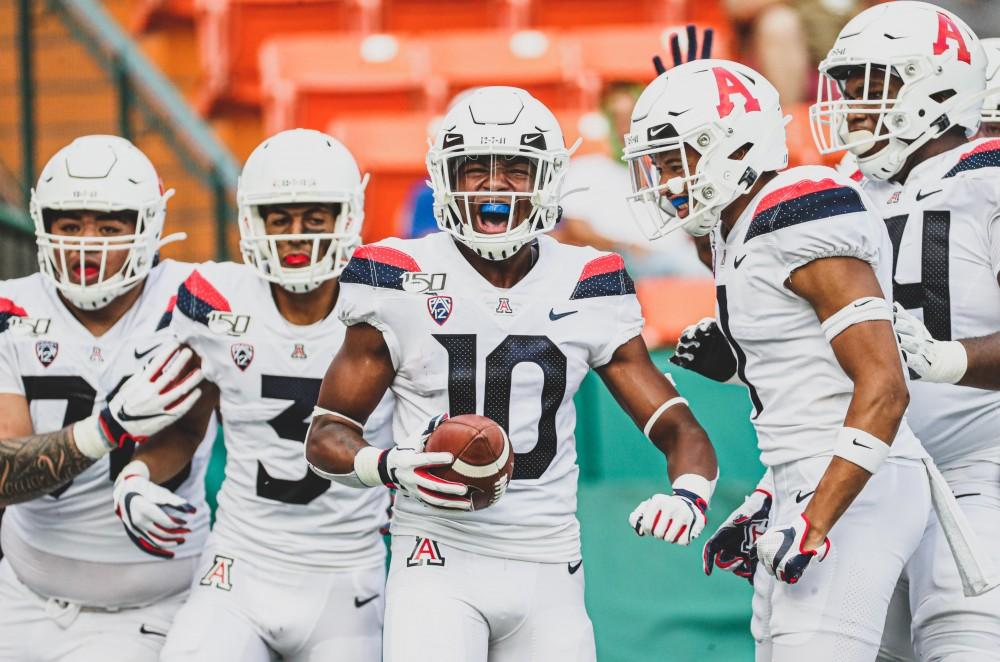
(33, 466)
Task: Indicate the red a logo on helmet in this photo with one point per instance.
(729, 85)
(948, 30)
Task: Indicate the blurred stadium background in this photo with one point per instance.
(198, 83)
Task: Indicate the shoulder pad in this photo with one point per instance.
(985, 155)
(9, 309)
(168, 314)
(604, 276)
(197, 298)
(378, 266)
(803, 201)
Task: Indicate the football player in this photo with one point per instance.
(294, 565)
(491, 316)
(86, 372)
(801, 268)
(990, 126)
(911, 81)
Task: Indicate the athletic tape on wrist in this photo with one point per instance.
(90, 439)
(659, 412)
(863, 449)
(952, 362)
(699, 485)
(366, 466)
(860, 310)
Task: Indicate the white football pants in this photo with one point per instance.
(448, 605)
(946, 625)
(835, 613)
(239, 611)
(38, 629)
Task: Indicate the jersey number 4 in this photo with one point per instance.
(500, 364)
(931, 293)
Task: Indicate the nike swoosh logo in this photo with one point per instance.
(530, 139)
(573, 567)
(145, 629)
(921, 195)
(658, 130)
(959, 496)
(738, 261)
(359, 603)
(800, 497)
(123, 416)
(139, 355)
(855, 442)
(553, 315)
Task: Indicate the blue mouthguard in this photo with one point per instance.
(677, 202)
(495, 208)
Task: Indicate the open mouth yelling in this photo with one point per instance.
(492, 217)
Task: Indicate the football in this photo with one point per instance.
(484, 459)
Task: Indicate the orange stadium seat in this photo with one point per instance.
(670, 304)
(231, 32)
(625, 53)
(309, 80)
(438, 15)
(544, 64)
(392, 149)
(573, 13)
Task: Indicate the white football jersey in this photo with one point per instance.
(798, 390)
(67, 374)
(271, 505)
(945, 229)
(517, 356)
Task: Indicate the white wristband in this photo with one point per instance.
(659, 412)
(366, 466)
(90, 439)
(700, 485)
(861, 448)
(952, 362)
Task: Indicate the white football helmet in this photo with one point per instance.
(296, 167)
(725, 112)
(991, 107)
(494, 127)
(104, 174)
(939, 62)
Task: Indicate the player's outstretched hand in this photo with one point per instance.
(731, 546)
(940, 361)
(677, 518)
(782, 553)
(703, 348)
(153, 516)
(147, 402)
(406, 467)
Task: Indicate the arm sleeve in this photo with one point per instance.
(846, 235)
(628, 323)
(362, 304)
(10, 380)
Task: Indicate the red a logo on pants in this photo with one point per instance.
(220, 574)
(425, 552)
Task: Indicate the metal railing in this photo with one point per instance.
(142, 92)
(17, 243)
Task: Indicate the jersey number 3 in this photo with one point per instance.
(290, 424)
(500, 364)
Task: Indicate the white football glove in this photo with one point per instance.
(781, 553)
(404, 467)
(153, 516)
(145, 404)
(939, 361)
(731, 546)
(676, 518)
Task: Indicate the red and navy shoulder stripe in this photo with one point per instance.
(378, 266)
(603, 277)
(986, 155)
(197, 298)
(168, 315)
(801, 202)
(9, 309)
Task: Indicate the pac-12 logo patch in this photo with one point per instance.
(425, 552)
(220, 574)
(46, 351)
(242, 354)
(440, 308)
